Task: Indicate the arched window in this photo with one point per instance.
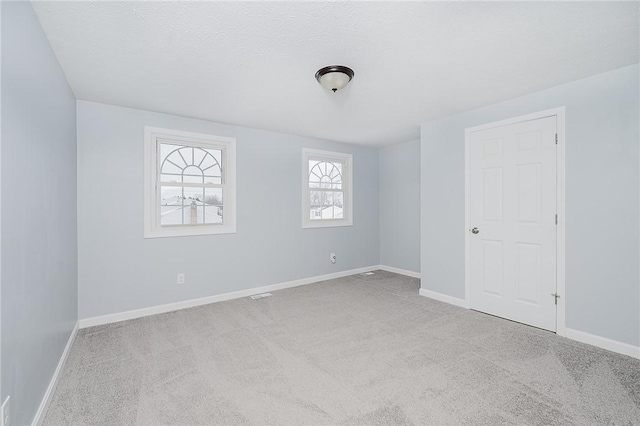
(327, 189)
(191, 189)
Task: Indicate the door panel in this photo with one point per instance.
(513, 204)
(529, 193)
(528, 272)
(492, 195)
(492, 267)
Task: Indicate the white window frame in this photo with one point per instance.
(153, 136)
(347, 185)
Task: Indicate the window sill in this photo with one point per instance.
(326, 224)
(189, 231)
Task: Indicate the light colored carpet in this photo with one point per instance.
(356, 350)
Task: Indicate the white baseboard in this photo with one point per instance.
(159, 309)
(579, 336)
(46, 399)
(399, 271)
(603, 342)
(443, 298)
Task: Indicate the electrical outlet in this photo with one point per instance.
(5, 413)
(332, 258)
(182, 278)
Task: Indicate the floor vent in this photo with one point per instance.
(261, 296)
(366, 274)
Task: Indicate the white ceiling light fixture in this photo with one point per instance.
(334, 77)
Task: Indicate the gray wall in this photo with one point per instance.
(602, 199)
(39, 249)
(119, 270)
(399, 186)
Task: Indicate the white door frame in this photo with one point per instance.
(559, 113)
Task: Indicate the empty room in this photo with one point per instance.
(319, 213)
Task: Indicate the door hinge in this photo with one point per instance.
(556, 218)
(556, 139)
(555, 296)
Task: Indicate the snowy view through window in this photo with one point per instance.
(325, 190)
(191, 185)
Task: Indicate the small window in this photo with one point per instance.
(326, 189)
(189, 184)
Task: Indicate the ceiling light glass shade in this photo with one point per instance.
(334, 77)
(334, 80)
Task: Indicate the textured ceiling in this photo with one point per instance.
(253, 63)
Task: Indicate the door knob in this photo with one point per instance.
(475, 230)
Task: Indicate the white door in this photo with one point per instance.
(512, 189)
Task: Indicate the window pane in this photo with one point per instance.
(173, 156)
(199, 156)
(192, 174)
(213, 205)
(167, 177)
(171, 168)
(325, 174)
(210, 179)
(190, 206)
(172, 205)
(211, 163)
(168, 150)
(326, 205)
